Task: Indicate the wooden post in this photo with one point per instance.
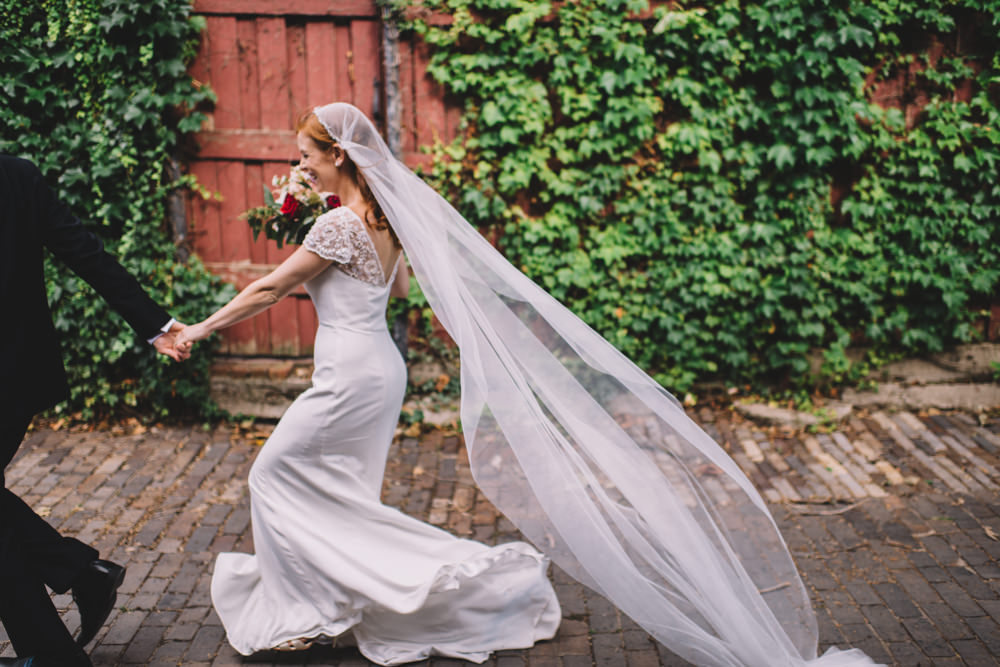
(390, 75)
(393, 123)
(176, 213)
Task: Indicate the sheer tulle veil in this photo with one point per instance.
(596, 464)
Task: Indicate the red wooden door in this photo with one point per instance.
(268, 61)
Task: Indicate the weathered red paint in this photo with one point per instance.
(268, 61)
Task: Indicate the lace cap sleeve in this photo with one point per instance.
(331, 236)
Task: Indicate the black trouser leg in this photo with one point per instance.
(33, 554)
(55, 559)
(27, 612)
(12, 429)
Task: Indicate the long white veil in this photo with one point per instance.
(594, 462)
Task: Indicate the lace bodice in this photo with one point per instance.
(339, 235)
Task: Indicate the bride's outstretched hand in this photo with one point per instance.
(189, 334)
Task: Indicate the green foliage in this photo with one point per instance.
(96, 92)
(715, 190)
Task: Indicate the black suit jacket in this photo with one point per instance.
(32, 377)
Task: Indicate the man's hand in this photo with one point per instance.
(167, 344)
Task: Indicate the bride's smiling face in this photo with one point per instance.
(321, 166)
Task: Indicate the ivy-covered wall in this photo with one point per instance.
(714, 188)
(96, 92)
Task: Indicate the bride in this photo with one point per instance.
(330, 558)
(597, 465)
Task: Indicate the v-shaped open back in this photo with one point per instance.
(342, 236)
(390, 268)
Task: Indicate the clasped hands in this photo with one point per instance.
(177, 342)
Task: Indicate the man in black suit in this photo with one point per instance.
(32, 378)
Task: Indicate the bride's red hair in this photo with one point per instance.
(310, 125)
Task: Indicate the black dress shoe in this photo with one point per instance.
(95, 592)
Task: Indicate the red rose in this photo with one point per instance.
(289, 206)
(332, 201)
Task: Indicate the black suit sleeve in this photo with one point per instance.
(67, 239)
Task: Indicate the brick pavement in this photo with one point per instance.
(893, 520)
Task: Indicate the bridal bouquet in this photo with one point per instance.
(289, 209)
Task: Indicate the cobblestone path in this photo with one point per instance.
(893, 520)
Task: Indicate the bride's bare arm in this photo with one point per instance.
(259, 295)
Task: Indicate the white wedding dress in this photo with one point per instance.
(331, 560)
